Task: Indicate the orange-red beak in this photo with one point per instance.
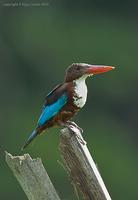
(97, 69)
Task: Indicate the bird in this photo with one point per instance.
(66, 99)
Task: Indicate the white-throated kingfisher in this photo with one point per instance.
(65, 100)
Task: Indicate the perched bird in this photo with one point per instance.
(65, 100)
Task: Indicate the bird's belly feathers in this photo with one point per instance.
(80, 93)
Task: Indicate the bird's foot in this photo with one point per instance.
(70, 125)
(75, 125)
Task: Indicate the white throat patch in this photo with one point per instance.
(80, 89)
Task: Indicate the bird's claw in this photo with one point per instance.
(70, 125)
(75, 125)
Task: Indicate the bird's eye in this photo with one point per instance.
(78, 68)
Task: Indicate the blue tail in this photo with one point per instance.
(30, 139)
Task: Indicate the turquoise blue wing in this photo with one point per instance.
(51, 110)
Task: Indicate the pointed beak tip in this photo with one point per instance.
(112, 67)
(109, 68)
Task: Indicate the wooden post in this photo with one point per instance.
(80, 166)
(32, 177)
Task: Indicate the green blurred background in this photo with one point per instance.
(37, 43)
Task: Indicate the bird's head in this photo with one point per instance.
(78, 70)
